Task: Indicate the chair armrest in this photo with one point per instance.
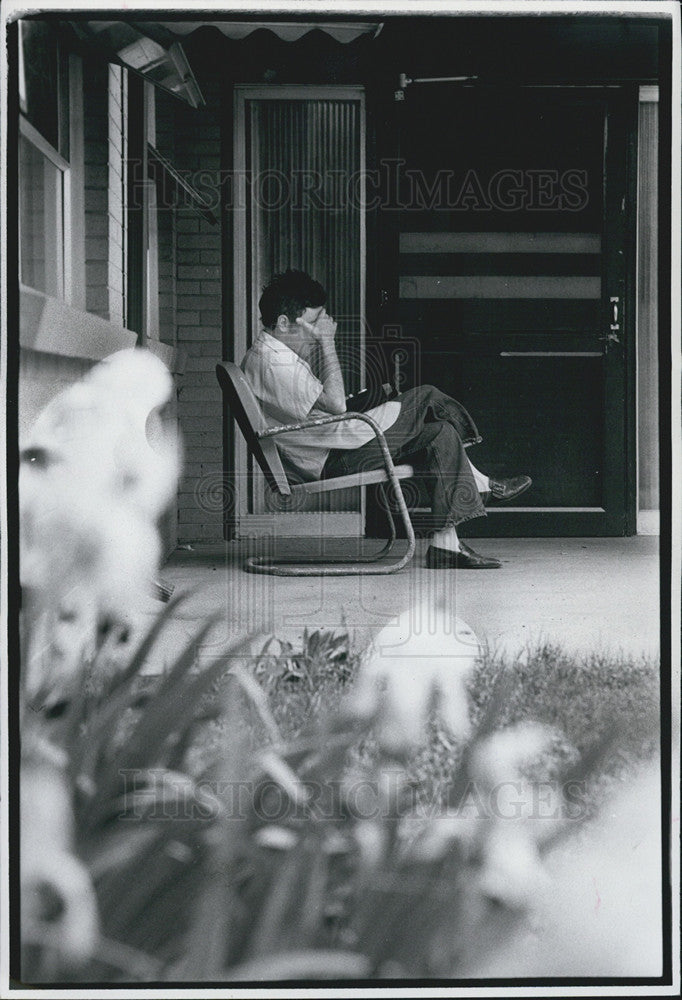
(335, 418)
(331, 418)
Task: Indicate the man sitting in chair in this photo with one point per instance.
(294, 371)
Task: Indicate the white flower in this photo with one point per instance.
(512, 871)
(371, 838)
(424, 658)
(58, 903)
(504, 754)
(97, 471)
(519, 815)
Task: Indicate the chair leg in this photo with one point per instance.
(362, 566)
(390, 541)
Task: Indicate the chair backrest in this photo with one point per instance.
(249, 416)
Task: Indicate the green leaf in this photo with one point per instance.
(174, 705)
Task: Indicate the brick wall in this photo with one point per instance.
(196, 284)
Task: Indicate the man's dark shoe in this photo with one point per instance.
(506, 489)
(466, 558)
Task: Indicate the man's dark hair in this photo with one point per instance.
(290, 294)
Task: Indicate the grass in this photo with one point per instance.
(302, 683)
(582, 697)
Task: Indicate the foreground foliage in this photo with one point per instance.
(247, 822)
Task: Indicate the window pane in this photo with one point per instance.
(304, 155)
(40, 220)
(41, 88)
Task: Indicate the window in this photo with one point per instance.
(43, 84)
(41, 207)
(44, 174)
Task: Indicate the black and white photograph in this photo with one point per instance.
(340, 520)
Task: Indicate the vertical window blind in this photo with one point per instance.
(304, 162)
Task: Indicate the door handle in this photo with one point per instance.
(615, 302)
(611, 335)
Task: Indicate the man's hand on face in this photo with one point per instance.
(322, 330)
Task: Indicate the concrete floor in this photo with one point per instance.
(585, 593)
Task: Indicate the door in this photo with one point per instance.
(299, 155)
(510, 257)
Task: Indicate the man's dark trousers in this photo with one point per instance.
(429, 434)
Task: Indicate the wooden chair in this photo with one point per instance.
(260, 441)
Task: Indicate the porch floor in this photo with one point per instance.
(585, 593)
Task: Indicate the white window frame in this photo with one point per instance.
(69, 211)
(62, 210)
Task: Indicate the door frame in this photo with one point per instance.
(290, 524)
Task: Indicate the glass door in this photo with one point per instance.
(299, 159)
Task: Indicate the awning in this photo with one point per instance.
(152, 49)
(288, 31)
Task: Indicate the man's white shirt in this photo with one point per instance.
(287, 390)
